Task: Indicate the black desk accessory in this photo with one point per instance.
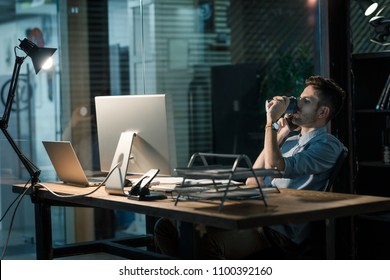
(140, 190)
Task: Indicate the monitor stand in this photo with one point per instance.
(117, 179)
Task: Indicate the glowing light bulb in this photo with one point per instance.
(48, 64)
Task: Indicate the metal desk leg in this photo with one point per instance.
(43, 231)
(330, 238)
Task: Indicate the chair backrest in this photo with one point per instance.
(336, 169)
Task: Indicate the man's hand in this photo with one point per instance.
(251, 181)
(276, 107)
(284, 128)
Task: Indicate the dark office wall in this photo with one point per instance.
(237, 109)
(261, 31)
(272, 54)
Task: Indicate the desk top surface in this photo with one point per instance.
(288, 206)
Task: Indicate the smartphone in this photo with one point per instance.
(290, 123)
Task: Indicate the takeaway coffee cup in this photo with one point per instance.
(292, 106)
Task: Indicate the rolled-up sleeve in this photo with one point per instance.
(314, 158)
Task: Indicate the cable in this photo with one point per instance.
(79, 195)
(21, 195)
(19, 199)
(9, 207)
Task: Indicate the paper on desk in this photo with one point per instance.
(179, 181)
(168, 180)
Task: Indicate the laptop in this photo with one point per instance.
(67, 164)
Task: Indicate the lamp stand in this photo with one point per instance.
(32, 169)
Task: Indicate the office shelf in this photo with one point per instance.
(370, 72)
(369, 75)
(372, 111)
(374, 164)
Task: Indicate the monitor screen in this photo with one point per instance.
(151, 117)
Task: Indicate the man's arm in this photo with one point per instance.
(281, 136)
(260, 162)
(272, 156)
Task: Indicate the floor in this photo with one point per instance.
(21, 244)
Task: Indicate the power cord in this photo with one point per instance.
(79, 195)
(19, 198)
(9, 207)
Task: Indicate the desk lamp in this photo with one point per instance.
(381, 34)
(367, 6)
(381, 25)
(39, 57)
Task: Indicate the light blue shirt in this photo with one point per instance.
(308, 159)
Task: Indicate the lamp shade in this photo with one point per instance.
(367, 6)
(38, 55)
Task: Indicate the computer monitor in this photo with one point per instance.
(151, 117)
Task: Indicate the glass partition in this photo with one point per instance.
(218, 59)
(34, 115)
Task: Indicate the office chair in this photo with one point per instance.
(310, 248)
(336, 170)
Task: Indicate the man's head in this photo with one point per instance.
(319, 102)
(329, 93)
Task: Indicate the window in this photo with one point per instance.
(218, 59)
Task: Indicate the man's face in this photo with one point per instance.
(308, 107)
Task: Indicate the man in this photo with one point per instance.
(306, 160)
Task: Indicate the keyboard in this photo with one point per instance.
(163, 188)
(96, 179)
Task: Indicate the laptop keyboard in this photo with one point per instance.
(96, 179)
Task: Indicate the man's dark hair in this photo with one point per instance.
(330, 93)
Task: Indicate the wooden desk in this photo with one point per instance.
(289, 206)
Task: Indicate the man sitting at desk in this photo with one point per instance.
(306, 159)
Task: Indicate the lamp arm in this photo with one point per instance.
(31, 168)
(12, 91)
